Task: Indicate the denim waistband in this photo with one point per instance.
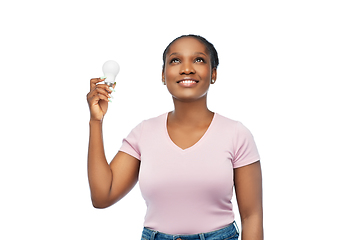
(225, 233)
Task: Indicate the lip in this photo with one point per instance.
(188, 79)
(187, 82)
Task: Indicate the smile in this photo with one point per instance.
(187, 82)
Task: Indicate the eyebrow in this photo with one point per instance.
(195, 53)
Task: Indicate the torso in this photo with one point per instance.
(189, 190)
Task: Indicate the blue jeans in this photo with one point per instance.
(230, 232)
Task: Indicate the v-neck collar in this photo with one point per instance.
(195, 144)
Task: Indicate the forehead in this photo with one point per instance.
(187, 45)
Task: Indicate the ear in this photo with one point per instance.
(213, 75)
(163, 77)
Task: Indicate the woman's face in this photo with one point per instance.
(187, 71)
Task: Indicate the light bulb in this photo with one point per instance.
(110, 70)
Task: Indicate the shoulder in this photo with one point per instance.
(146, 127)
(232, 129)
(154, 120)
(151, 124)
(227, 123)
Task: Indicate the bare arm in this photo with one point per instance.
(248, 188)
(108, 183)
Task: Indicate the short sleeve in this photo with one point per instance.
(130, 144)
(245, 150)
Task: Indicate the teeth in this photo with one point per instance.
(188, 81)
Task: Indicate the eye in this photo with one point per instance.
(174, 60)
(199, 59)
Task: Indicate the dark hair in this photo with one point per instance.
(209, 46)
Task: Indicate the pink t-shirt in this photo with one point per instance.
(189, 191)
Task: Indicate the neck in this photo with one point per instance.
(191, 112)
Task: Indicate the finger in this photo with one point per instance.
(103, 97)
(104, 90)
(97, 91)
(105, 87)
(113, 87)
(94, 81)
(94, 100)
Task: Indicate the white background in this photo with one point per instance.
(289, 71)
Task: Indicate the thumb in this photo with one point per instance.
(113, 86)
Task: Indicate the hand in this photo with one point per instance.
(98, 99)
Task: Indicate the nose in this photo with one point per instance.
(187, 68)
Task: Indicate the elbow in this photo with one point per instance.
(252, 215)
(101, 201)
(99, 204)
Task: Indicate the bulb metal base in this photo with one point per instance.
(110, 84)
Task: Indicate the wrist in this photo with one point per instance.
(95, 122)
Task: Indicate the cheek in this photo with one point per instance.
(170, 72)
(205, 72)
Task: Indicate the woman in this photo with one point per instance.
(187, 161)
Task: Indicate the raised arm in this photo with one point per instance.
(248, 188)
(108, 183)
